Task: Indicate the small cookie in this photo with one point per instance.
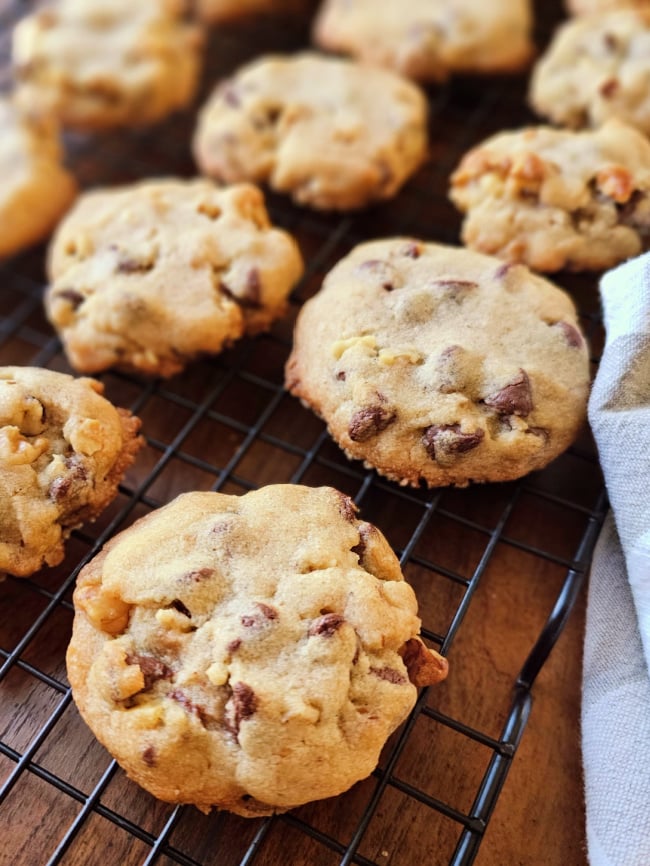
(430, 39)
(441, 365)
(107, 63)
(595, 68)
(591, 7)
(149, 276)
(35, 189)
(557, 199)
(251, 653)
(218, 11)
(63, 451)
(330, 132)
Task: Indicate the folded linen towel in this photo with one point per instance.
(616, 681)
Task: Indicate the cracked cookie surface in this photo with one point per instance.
(36, 190)
(108, 63)
(595, 68)
(63, 451)
(555, 198)
(148, 277)
(441, 365)
(429, 40)
(251, 653)
(330, 132)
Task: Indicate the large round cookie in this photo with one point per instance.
(441, 365)
(251, 653)
(147, 277)
(554, 198)
(332, 133)
(596, 67)
(430, 39)
(35, 190)
(63, 451)
(106, 63)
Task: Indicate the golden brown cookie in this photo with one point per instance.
(63, 451)
(148, 277)
(330, 132)
(553, 198)
(430, 39)
(440, 365)
(251, 653)
(35, 189)
(106, 63)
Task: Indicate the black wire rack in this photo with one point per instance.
(227, 424)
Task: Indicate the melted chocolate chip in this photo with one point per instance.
(233, 645)
(152, 669)
(149, 756)
(503, 269)
(178, 605)
(72, 296)
(242, 705)
(62, 486)
(571, 334)
(347, 507)
(455, 288)
(326, 626)
(369, 421)
(515, 399)
(341, 376)
(198, 575)
(264, 612)
(608, 88)
(449, 439)
(184, 700)
(389, 674)
(251, 296)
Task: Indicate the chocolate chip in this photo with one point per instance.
(326, 626)
(251, 296)
(445, 439)
(610, 41)
(72, 296)
(63, 486)
(347, 507)
(369, 421)
(412, 250)
(571, 334)
(242, 705)
(389, 674)
(149, 756)
(233, 645)
(341, 376)
(365, 531)
(382, 271)
(184, 700)
(608, 88)
(503, 269)
(128, 265)
(178, 605)
(515, 399)
(152, 669)
(197, 576)
(263, 612)
(455, 287)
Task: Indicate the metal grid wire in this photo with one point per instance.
(226, 424)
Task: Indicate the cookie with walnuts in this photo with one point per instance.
(249, 653)
(147, 277)
(64, 449)
(595, 68)
(553, 198)
(441, 365)
(331, 133)
(36, 189)
(591, 7)
(108, 63)
(429, 40)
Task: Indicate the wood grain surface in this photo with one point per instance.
(227, 424)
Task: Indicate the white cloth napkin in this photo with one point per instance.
(616, 683)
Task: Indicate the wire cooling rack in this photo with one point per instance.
(226, 424)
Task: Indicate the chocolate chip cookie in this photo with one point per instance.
(149, 276)
(595, 68)
(64, 449)
(35, 190)
(251, 653)
(555, 198)
(441, 365)
(107, 63)
(430, 39)
(330, 132)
